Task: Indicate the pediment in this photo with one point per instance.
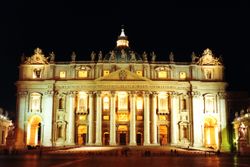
(122, 75)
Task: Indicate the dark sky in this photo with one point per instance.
(66, 26)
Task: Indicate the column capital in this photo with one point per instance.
(98, 93)
(71, 93)
(173, 94)
(222, 95)
(155, 94)
(113, 93)
(146, 93)
(194, 93)
(49, 92)
(22, 93)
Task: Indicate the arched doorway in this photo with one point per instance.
(82, 134)
(210, 133)
(34, 131)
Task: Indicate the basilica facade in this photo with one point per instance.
(122, 98)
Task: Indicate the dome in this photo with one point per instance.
(122, 52)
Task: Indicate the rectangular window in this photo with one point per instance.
(105, 72)
(105, 117)
(183, 75)
(37, 73)
(139, 73)
(162, 74)
(35, 102)
(82, 74)
(122, 101)
(139, 103)
(62, 74)
(106, 103)
(209, 104)
(208, 73)
(139, 118)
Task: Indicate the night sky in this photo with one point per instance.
(181, 28)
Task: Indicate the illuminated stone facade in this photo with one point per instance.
(5, 124)
(122, 98)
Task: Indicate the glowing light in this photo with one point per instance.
(62, 74)
(82, 74)
(139, 103)
(162, 74)
(105, 72)
(139, 73)
(183, 75)
(106, 103)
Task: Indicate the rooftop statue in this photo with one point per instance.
(100, 56)
(208, 58)
(73, 57)
(144, 56)
(171, 57)
(153, 56)
(93, 54)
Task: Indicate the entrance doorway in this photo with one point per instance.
(106, 138)
(34, 131)
(211, 133)
(122, 134)
(123, 138)
(82, 135)
(163, 134)
(139, 139)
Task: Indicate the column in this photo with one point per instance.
(22, 109)
(174, 119)
(70, 138)
(98, 119)
(112, 120)
(198, 109)
(132, 140)
(223, 117)
(48, 114)
(146, 119)
(91, 119)
(154, 118)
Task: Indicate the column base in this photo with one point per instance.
(146, 144)
(155, 144)
(197, 145)
(98, 144)
(225, 148)
(71, 144)
(90, 144)
(113, 144)
(132, 144)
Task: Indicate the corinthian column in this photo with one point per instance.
(146, 119)
(174, 119)
(98, 119)
(223, 116)
(48, 111)
(91, 119)
(132, 140)
(71, 115)
(154, 119)
(198, 109)
(22, 109)
(112, 120)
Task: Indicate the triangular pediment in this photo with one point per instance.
(122, 75)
